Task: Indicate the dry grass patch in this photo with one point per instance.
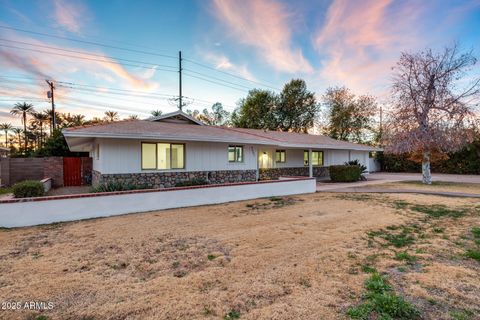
(302, 257)
(473, 188)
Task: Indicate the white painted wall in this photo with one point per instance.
(294, 157)
(124, 156)
(28, 213)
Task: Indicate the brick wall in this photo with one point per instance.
(53, 168)
(13, 170)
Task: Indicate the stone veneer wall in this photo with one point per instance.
(274, 173)
(169, 179)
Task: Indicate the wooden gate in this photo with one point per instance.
(72, 171)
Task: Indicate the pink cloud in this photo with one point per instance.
(362, 40)
(57, 66)
(222, 62)
(70, 14)
(265, 26)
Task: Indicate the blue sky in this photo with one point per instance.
(268, 42)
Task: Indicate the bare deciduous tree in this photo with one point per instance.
(432, 104)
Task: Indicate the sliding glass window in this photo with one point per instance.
(163, 156)
(317, 158)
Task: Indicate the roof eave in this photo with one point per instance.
(73, 134)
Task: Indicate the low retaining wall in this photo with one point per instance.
(275, 173)
(169, 179)
(34, 211)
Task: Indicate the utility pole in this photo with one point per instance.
(180, 106)
(52, 96)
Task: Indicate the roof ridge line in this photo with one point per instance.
(97, 124)
(249, 133)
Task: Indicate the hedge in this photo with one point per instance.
(465, 161)
(28, 189)
(345, 173)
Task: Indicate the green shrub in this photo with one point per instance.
(192, 182)
(356, 163)
(28, 188)
(116, 186)
(344, 173)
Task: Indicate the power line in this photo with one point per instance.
(108, 90)
(218, 79)
(136, 93)
(88, 42)
(215, 82)
(231, 74)
(89, 54)
(84, 58)
(107, 95)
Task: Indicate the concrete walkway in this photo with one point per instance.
(377, 179)
(418, 177)
(416, 191)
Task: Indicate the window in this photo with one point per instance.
(235, 154)
(317, 158)
(280, 156)
(163, 156)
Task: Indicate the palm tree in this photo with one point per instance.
(6, 127)
(111, 116)
(22, 109)
(78, 120)
(58, 118)
(156, 113)
(133, 117)
(39, 119)
(18, 133)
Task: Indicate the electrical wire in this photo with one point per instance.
(88, 42)
(89, 54)
(84, 58)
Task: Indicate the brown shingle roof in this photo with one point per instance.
(143, 129)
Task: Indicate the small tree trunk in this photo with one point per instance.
(426, 174)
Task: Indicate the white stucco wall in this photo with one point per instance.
(124, 156)
(28, 213)
(294, 157)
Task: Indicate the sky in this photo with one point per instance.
(123, 55)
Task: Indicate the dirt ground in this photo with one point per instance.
(473, 188)
(301, 257)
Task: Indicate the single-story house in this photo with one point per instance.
(161, 151)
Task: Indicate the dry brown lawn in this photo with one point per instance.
(301, 257)
(473, 188)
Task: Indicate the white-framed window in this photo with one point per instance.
(235, 153)
(280, 156)
(163, 156)
(317, 158)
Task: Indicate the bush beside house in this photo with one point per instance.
(345, 173)
(28, 189)
(465, 161)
